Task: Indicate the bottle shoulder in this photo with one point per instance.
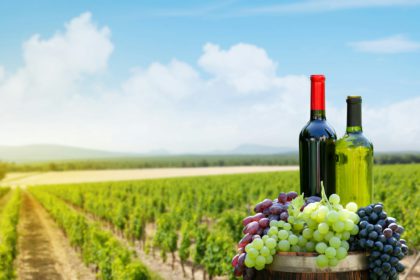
(317, 129)
(350, 140)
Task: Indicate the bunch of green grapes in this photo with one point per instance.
(323, 227)
(260, 252)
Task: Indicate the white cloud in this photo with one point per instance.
(2, 73)
(246, 67)
(389, 45)
(59, 95)
(313, 6)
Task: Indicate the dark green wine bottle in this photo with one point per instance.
(317, 145)
(354, 159)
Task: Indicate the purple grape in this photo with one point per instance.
(291, 195)
(241, 259)
(284, 216)
(235, 260)
(393, 226)
(264, 222)
(388, 232)
(247, 220)
(245, 240)
(256, 236)
(282, 197)
(251, 228)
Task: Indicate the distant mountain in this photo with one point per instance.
(31, 153)
(253, 149)
(46, 152)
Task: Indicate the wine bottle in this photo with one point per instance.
(354, 159)
(317, 145)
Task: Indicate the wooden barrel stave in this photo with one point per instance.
(301, 266)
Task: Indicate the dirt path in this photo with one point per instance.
(64, 177)
(44, 252)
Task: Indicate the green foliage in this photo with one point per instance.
(9, 217)
(98, 247)
(207, 211)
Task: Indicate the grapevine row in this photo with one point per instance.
(98, 247)
(9, 217)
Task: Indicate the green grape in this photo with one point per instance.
(322, 213)
(310, 246)
(273, 223)
(320, 247)
(328, 236)
(295, 248)
(260, 261)
(293, 239)
(322, 261)
(284, 246)
(291, 220)
(355, 230)
(273, 251)
(343, 215)
(307, 233)
(332, 216)
(253, 253)
(341, 253)
(345, 245)
(283, 234)
(352, 206)
(345, 235)
(249, 262)
(348, 225)
(332, 262)
(280, 224)
(272, 231)
(323, 228)
(314, 215)
(355, 218)
(334, 199)
(247, 247)
(260, 267)
(298, 226)
(258, 243)
(302, 241)
(287, 226)
(275, 237)
(317, 236)
(264, 238)
(264, 251)
(268, 259)
(339, 235)
(312, 224)
(270, 243)
(338, 226)
(335, 242)
(330, 252)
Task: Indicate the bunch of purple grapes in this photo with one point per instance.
(381, 236)
(258, 225)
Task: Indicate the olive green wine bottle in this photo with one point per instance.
(354, 159)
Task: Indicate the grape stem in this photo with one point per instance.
(324, 196)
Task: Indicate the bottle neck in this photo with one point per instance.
(318, 115)
(354, 129)
(354, 116)
(318, 98)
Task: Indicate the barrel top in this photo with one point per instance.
(306, 262)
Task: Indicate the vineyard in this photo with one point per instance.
(192, 222)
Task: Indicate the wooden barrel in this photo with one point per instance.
(302, 266)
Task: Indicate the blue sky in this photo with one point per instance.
(369, 48)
